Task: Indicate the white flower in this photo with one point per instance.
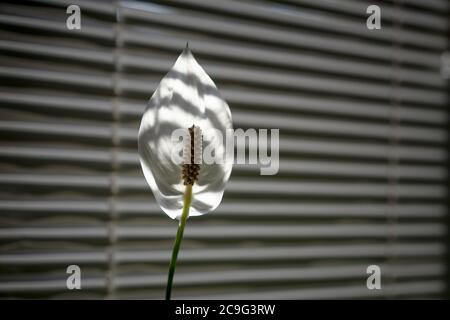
(186, 96)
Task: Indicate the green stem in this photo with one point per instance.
(179, 237)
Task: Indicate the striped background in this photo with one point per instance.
(363, 122)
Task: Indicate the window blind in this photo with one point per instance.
(363, 125)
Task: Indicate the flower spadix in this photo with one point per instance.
(186, 98)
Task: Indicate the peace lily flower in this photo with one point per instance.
(186, 98)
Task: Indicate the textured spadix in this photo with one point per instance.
(186, 96)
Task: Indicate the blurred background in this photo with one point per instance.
(363, 119)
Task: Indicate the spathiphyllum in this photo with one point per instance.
(186, 99)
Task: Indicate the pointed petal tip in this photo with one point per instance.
(186, 48)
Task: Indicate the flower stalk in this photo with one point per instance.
(176, 246)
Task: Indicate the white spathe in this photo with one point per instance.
(186, 96)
